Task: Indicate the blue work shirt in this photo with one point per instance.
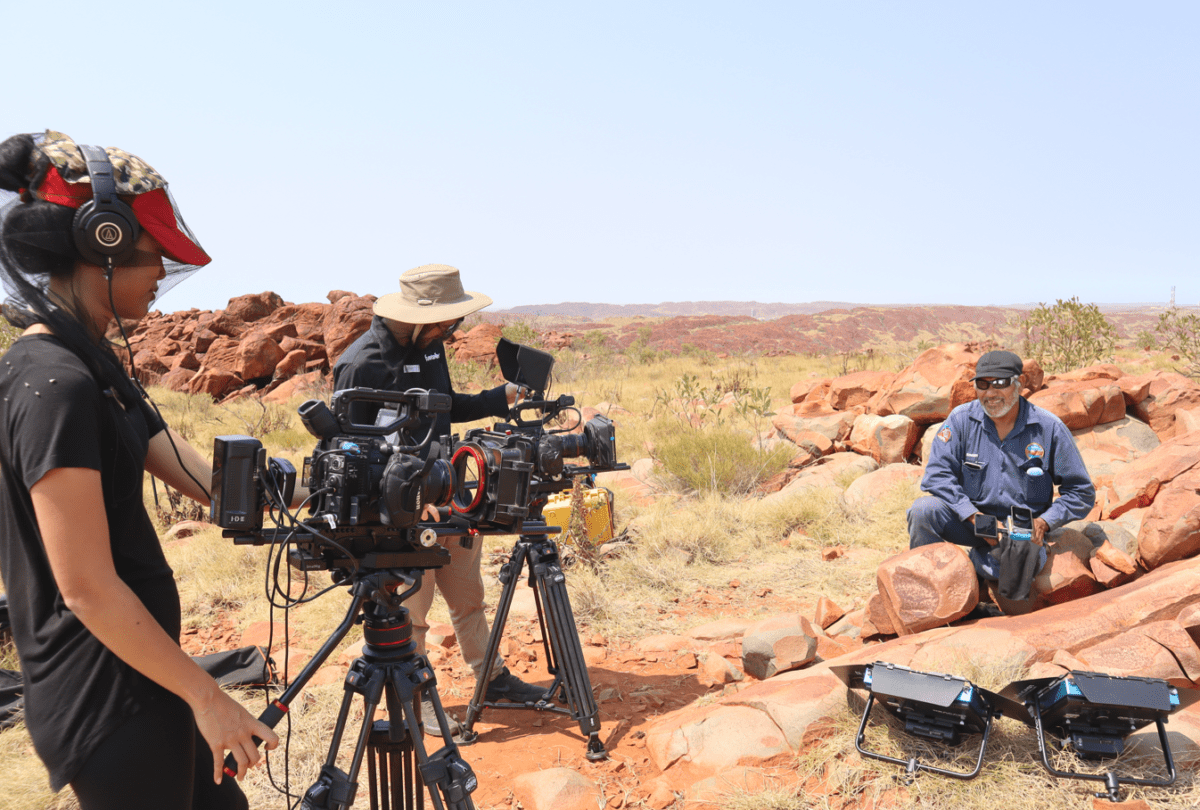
(970, 469)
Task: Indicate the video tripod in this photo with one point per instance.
(391, 671)
(536, 550)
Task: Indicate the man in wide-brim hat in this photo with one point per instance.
(403, 349)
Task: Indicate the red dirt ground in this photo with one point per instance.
(632, 688)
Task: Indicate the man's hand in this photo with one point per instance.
(514, 393)
(1040, 527)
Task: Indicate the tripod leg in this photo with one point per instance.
(335, 788)
(509, 575)
(448, 777)
(560, 629)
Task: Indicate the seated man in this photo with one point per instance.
(993, 454)
(403, 349)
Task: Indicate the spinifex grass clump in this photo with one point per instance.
(707, 435)
(718, 459)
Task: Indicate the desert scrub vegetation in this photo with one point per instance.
(1180, 332)
(1067, 335)
(707, 435)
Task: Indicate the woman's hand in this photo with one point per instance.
(227, 726)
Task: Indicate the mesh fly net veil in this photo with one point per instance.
(58, 174)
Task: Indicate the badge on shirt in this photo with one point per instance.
(411, 369)
(1035, 450)
(433, 356)
(944, 434)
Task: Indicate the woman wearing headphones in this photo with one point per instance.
(114, 706)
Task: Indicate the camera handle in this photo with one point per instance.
(560, 639)
(389, 670)
(548, 408)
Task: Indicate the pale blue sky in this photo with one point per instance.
(876, 152)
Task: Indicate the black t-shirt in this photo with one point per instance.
(53, 414)
(377, 361)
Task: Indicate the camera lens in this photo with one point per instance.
(438, 487)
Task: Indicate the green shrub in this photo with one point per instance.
(520, 331)
(1181, 333)
(639, 351)
(718, 459)
(1067, 336)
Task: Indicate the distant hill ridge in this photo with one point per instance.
(754, 309)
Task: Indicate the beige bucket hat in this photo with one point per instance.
(430, 293)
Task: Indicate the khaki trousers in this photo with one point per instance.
(461, 585)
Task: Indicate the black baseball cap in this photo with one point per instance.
(998, 364)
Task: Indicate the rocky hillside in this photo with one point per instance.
(259, 343)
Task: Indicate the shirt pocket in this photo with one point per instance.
(973, 475)
(1039, 489)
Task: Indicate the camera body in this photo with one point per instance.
(368, 483)
(368, 474)
(502, 472)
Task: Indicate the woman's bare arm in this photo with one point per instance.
(176, 463)
(69, 506)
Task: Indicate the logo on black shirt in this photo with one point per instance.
(433, 356)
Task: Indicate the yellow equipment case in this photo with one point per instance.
(597, 514)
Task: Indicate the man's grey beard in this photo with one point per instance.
(1002, 411)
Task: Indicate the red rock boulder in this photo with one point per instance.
(857, 388)
(887, 439)
(479, 344)
(257, 356)
(778, 644)
(870, 488)
(1138, 483)
(1171, 527)
(801, 389)
(927, 587)
(922, 391)
(1082, 404)
(1165, 393)
(834, 427)
(249, 308)
(1108, 448)
(344, 322)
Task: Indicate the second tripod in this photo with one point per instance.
(560, 639)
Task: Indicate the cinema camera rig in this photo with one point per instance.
(370, 484)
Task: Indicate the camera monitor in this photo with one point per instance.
(523, 365)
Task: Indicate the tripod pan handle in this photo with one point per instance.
(270, 717)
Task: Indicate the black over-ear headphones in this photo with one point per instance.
(105, 228)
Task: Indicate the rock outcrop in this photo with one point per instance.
(1145, 628)
(259, 342)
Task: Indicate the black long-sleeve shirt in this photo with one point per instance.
(376, 360)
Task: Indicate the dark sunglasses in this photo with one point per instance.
(1003, 382)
